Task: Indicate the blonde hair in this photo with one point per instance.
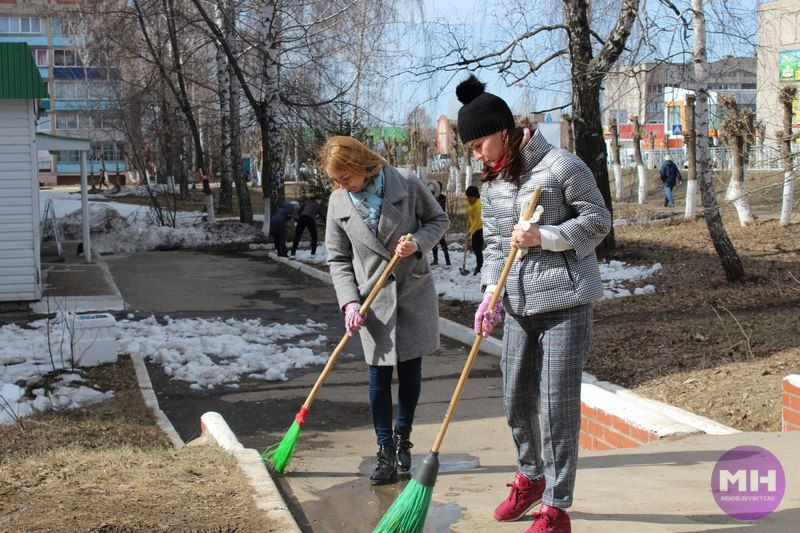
(346, 155)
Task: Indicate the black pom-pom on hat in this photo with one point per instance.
(470, 89)
(482, 113)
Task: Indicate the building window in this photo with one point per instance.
(40, 56)
(57, 27)
(66, 120)
(110, 151)
(673, 118)
(20, 25)
(66, 58)
(68, 157)
(43, 122)
(45, 161)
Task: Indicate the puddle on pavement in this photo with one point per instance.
(357, 506)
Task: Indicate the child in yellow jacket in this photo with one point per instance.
(475, 228)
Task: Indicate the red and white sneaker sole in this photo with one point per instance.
(523, 513)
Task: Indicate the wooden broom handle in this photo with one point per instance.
(476, 344)
(363, 312)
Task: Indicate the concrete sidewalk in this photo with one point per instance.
(661, 487)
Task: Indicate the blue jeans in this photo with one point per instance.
(669, 199)
(409, 376)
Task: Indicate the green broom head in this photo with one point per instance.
(279, 455)
(409, 511)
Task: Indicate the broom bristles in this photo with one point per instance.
(408, 512)
(279, 455)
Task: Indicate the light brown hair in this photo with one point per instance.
(346, 155)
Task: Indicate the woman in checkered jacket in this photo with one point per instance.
(548, 295)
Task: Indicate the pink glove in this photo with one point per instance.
(352, 318)
(485, 321)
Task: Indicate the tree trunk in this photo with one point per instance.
(242, 190)
(272, 178)
(737, 190)
(731, 263)
(689, 137)
(786, 97)
(590, 144)
(615, 159)
(225, 200)
(637, 154)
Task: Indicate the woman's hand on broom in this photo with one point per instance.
(486, 320)
(405, 247)
(353, 320)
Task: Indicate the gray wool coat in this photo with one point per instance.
(403, 321)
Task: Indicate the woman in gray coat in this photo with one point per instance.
(548, 296)
(369, 213)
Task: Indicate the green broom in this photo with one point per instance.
(278, 455)
(408, 512)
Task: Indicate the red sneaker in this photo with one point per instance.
(524, 495)
(550, 520)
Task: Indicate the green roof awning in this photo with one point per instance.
(19, 77)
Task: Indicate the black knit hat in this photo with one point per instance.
(482, 113)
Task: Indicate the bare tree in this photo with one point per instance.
(615, 159)
(571, 37)
(786, 136)
(736, 130)
(689, 137)
(636, 137)
(731, 263)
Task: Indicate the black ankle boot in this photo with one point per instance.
(386, 467)
(403, 446)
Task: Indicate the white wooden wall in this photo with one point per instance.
(20, 271)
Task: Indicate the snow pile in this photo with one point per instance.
(25, 358)
(617, 276)
(113, 232)
(220, 352)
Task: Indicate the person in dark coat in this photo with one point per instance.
(308, 219)
(277, 226)
(670, 177)
(436, 190)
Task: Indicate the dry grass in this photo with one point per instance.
(109, 468)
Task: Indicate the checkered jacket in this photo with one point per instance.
(546, 281)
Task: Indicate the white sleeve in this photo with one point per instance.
(552, 239)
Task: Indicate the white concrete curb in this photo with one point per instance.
(265, 492)
(146, 387)
(660, 418)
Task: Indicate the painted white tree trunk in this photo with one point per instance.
(210, 208)
(642, 183)
(468, 175)
(619, 193)
(788, 198)
(737, 194)
(691, 199)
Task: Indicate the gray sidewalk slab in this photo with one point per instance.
(661, 487)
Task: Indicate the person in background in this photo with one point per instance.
(307, 219)
(277, 226)
(475, 225)
(670, 177)
(436, 190)
(371, 210)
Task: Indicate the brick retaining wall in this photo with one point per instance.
(790, 400)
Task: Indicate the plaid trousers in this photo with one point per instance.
(543, 357)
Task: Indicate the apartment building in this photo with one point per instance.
(83, 91)
(640, 90)
(778, 61)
